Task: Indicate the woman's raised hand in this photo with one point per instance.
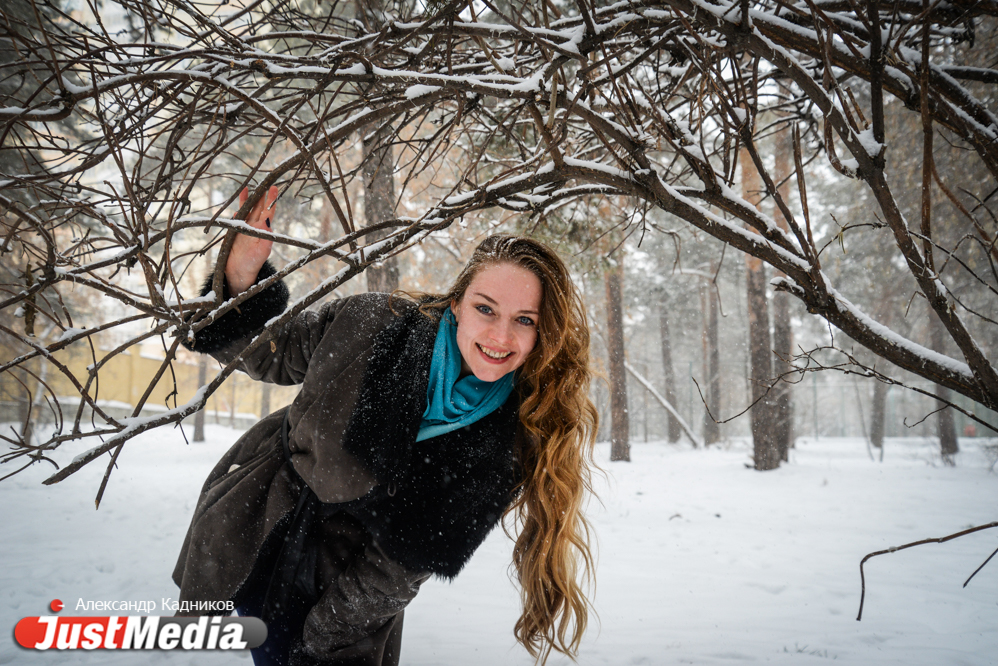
(248, 252)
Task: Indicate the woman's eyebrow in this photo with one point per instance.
(493, 302)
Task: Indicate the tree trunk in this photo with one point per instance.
(783, 335)
(783, 406)
(946, 428)
(714, 399)
(620, 448)
(199, 415)
(379, 200)
(877, 417)
(378, 167)
(764, 443)
(708, 304)
(668, 375)
(948, 445)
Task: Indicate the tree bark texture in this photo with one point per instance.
(783, 406)
(379, 200)
(783, 335)
(620, 448)
(764, 443)
(668, 375)
(378, 169)
(765, 446)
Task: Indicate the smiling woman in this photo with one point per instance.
(422, 422)
(497, 321)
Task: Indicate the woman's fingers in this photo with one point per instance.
(248, 253)
(262, 215)
(271, 208)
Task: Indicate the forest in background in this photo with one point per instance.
(782, 221)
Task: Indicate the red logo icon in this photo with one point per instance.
(56, 606)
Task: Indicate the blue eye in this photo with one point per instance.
(484, 309)
(526, 321)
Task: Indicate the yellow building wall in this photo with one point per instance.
(124, 379)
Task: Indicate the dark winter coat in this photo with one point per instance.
(394, 510)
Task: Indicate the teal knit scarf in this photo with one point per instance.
(453, 403)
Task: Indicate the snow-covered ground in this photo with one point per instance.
(701, 560)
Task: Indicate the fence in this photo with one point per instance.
(122, 381)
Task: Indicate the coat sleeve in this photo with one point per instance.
(282, 360)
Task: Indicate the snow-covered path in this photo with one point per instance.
(701, 561)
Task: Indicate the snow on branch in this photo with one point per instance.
(125, 143)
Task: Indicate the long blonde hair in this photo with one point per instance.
(558, 424)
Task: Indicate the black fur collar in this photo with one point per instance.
(438, 499)
(249, 318)
(385, 421)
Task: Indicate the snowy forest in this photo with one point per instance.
(781, 214)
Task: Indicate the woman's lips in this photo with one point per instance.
(490, 359)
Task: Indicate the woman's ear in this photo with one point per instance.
(453, 308)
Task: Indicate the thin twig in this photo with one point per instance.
(862, 575)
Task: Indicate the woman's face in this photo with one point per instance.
(497, 320)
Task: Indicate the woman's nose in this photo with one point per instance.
(502, 333)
